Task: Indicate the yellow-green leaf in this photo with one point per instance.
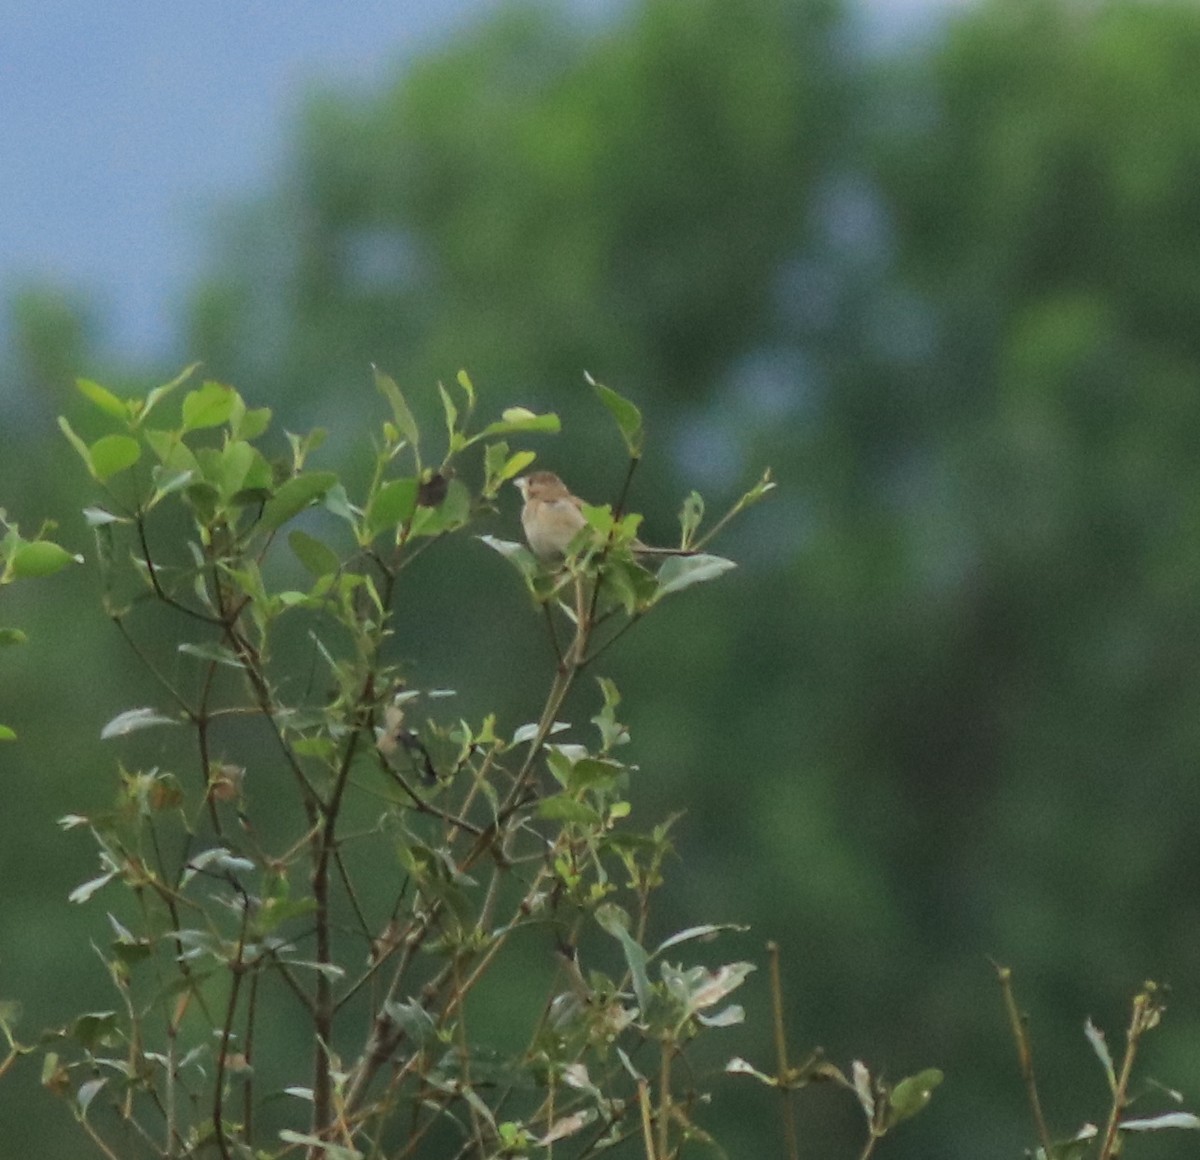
(519, 419)
(39, 558)
(208, 406)
(294, 496)
(253, 423)
(112, 454)
(77, 443)
(516, 464)
(464, 381)
(318, 558)
(393, 503)
(910, 1095)
(451, 412)
(628, 417)
(405, 422)
(160, 393)
(103, 398)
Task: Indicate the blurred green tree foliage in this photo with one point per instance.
(530, 199)
(948, 709)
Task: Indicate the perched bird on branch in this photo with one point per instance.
(552, 517)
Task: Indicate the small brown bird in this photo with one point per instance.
(552, 518)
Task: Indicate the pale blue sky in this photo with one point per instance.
(125, 124)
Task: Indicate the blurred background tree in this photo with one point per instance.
(947, 710)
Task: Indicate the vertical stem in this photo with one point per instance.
(1020, 1033)
(647, 1130)
(169, 1144)
(664, 1100)
(248, 1051)
(781, 1061)
(237, 969)
(323, 993)
(1140, 1020)
(869, 1148)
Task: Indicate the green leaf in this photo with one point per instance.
(699, 989)
(248, 424)
(11, 636)
(230, 466)
(318, 558)
(172, 452)
(208, 406)
(133, 720)
(405, 423)
(6, 734)
(33, 558)
(113, 454)
(218, 859)
(518, 419)
(516, 464)
(88, 1092)
(464, 381)
(690, 515)
(612, 732)
(910, 1095)
(77, 443)
(739, 1066)
(518, 555)
(615, 922)
(592, 773)
(294, 496)
(495, 455)
(203, 498)
(98, 517)
(259, 478)
(629, 584)
(103, 398)
(1096, 1038)
(627, 416)
(681, 572)
(704, 932)
(159, 393)
(212, 652)
(392, 505)
(599, 518)
(563, 808)
(96, 1028)
(313, 747)
(450, 411)
(167, 481)
(337, 502)
(304, 445)
(85, 890)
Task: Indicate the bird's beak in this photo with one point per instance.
(521, 483)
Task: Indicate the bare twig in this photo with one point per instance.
(1018, 1025)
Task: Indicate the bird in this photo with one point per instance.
(552, 517)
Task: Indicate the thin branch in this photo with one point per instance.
(783, 1072)
(159, 591)
(152, 669)
(1020, 1031)
(236, 970)
(1143, 1017)
(423, 807)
